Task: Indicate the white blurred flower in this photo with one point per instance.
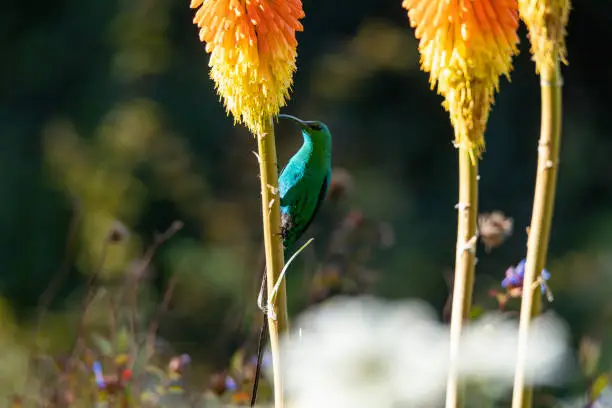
(489, 349)
(362, 353)
(365, 352)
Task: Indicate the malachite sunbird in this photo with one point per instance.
(302, 186)
(304, 181)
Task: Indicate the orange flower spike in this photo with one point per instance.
(466, 45)
(252, 48)
(546, 21)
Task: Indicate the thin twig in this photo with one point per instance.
(158, 240)
(162, 308)
(113, 318)
(113, 329)
(89, 295)
(49, 294)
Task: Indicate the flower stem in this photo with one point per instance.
(465, 262)
(541, 220)
(270, 205)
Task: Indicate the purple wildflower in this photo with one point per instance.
(230, 384)
(185, 359)
(97, 369)
(266, 360)
(515, 275)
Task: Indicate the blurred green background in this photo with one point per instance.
(107, 114)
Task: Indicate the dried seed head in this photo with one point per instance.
(341, 184)
(118, 233)
(494, 228)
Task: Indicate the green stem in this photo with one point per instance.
(465, 262)
(541, 220)
(270, 205)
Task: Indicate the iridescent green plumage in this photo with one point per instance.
(302, 187)
(304, 181)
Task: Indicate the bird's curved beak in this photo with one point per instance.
(300, 122)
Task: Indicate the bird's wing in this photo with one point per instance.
(320, 199)
(322, 193)
(289, 187)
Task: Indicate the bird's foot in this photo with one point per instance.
(268, 310)
(282, 234)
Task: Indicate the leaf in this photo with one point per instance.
(175, 389)
(121, 359)
(475, 312)
(123, 340)
(102, 344)
(140, 361)
(148, 396)
(158, 372)
(237, 361)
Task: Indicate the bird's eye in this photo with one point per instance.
(315, 126)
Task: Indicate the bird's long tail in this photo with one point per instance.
(263, 302)
(263, 336)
